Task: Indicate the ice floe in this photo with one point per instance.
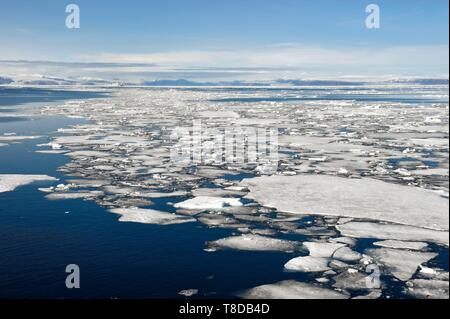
(150, 216)
(358, 198)
(209, 202)
(308, 264)
(402, 264)
(401, 244)
(291, 289)
(390, 231)
(9, 182)
(255, 243)
(347, 255)
(325, 250)
(428, 289)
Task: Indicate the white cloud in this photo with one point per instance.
(284, 60)
(295, 56)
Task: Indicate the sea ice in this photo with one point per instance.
(291, 289)
(208, 202)
(150, 216)
(16, 138)
(354, 280)
(188, 292)
(346, 254)
(390, 231)
(401, 244)
(428, 289)
(358, 198)
(324, 250)
(308, 264)
(10, 182)
(402, 264)
(255, 243)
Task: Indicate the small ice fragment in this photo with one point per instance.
(188, 292)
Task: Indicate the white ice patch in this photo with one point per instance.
(357, 198)
(397, 244)
(397, 232)
(9, 183)
(308, 264)
(255, 243)
(402, 264)
(291, 289)
(15, 138)
(346, 254)
(208, 202)
(150, 216)
(428, 289)
(325, 250)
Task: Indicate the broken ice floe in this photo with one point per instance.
(255, 243)
(391, 231)
(427, 289)
(10, 182)
(149, 216)
(401, 244)
(208, 202)
(402, 264)
(188, 292)
(359, 198)
(384, 162)
(308, 264)
(291, 289)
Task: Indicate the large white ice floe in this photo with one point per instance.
(347, 255)
(428, 289)
(291, 289)
(359, 198)
(402, 264)
(388, 231)
(16, 138)
(308, 264)
(9, 182)
(255, 243)
(398, 244)
(150, 216)
(209, 202)
(325, 250)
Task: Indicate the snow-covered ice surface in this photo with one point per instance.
(351, 173)
(291, 290)
(359, 198)
(9, 182)
(150, 216)
(255, 243)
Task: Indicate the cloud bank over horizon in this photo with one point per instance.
(283, 61)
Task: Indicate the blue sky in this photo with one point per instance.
(241, 39)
